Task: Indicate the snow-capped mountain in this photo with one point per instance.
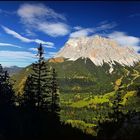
(99, 50)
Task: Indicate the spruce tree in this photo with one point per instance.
(6, 89)
(37, 98)
(37, 89)
(41, 95)
(41, 77)
(55, 108)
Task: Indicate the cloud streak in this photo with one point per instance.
(125, 40)
(16, 35)
(104, 27)
(30, 12)
(77, 28)
(33, 49)
(42, 18)
(16, 55)
(54, 29)
(27, 40)
(9, 45)
(83, 32)
(21, 58)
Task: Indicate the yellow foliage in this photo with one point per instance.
(127, 96)
(21, 85)
(94, 101)
(118, 83)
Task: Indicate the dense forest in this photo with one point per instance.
(36, 114)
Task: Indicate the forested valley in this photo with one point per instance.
(42, 112)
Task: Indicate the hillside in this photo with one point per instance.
(78, 76)
(87, 90)
(88, 85)
(91, 64)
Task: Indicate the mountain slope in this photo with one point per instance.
(99, 50)
(87, 83)
(91, 65)
(80, 77)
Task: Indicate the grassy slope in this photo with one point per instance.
(20, 79)
(84, 112)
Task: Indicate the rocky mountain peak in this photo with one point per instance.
(99, 50)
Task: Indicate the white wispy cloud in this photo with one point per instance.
(30, 33)
(16, 35)
(81, 33)
(33, 49)
(19, 58)
(31, 11)
(16, 55)
(54, 29)
(10, 45)
(89, 31)
(106, 26)
(47, 54)
(45, 44)
(44, 19)
(125, 40)
(77, 28)
(27, 40)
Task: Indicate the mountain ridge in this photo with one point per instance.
(13, 69)
(99, 50)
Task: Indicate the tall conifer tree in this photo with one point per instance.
(38, 85)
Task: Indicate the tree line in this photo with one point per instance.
(34, 111)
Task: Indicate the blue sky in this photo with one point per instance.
(23, 25)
